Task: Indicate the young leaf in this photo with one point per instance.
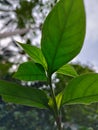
(15, 93)
(67, 70)
(81, 90)
(35, 53)
(30, 71)
(63, 33)
(59, 100)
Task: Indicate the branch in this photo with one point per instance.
(17, 31)
(7, 10)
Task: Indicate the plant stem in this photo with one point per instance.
(58, 121)
(57, 115)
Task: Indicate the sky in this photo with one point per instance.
(89, 52)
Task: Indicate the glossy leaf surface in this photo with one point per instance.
(67, 70)
(81, 90)
(63, 33)
(35, 53)
(15, 93)
(30, 71)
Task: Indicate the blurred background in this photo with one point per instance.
(22, 20)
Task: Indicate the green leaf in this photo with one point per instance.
(15, 93)
(30, 71)
(81, 90)
(67, 70)
(63, 33)
(59, 100)
(35, 53)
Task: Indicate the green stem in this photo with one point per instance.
(57, 115)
